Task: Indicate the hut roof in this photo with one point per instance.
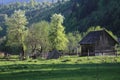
(54, 55)
(93, 36)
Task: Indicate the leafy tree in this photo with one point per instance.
(32, 3)
(57, 35)
(93, 28)
(16, 31)
(73, 44)
(38, 40)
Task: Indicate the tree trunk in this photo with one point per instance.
(22, 54)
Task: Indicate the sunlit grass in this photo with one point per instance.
(64, 68)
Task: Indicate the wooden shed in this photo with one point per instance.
(98, 43)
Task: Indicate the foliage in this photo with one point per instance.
(96, 28)
(32, 3)
(16, 30)
(74, 39)
(58, 38)
(113, 35)
(93, 13)
(38, 37)
(93, 28)
(79, 15)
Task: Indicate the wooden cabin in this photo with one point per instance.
(98, 43)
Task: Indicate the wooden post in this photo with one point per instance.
(88, 53)
(116, 53)
(77, 51)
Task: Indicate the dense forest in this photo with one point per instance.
(79, 14)
(14, 1)
(22, 22)
(59, 39)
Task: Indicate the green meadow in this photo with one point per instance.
(64, 68)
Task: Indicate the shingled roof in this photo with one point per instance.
(93, 36)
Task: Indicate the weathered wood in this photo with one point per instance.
(98, 43)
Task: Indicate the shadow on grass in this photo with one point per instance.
(9, 59)
(105, 71)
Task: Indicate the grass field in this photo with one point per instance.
(65, 68)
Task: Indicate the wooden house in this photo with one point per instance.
(98, 43)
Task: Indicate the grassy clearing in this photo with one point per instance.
(65, 68)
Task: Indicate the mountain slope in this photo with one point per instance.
(79, 14)
(82, 14)
(88, 13)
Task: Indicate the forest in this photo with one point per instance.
(60, 40)
(79, 14)
(22, 24)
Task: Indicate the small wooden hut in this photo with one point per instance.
(98, 43)
(54, 55)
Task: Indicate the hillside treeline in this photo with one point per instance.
(33, 27)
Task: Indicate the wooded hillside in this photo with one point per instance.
(79, 14)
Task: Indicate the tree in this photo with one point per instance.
(38, 40)
(32, 3)
(74, 39)
(57, 35)
(16, 31)
(92, 28)
(72, 42)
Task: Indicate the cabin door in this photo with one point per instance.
(87, 50)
